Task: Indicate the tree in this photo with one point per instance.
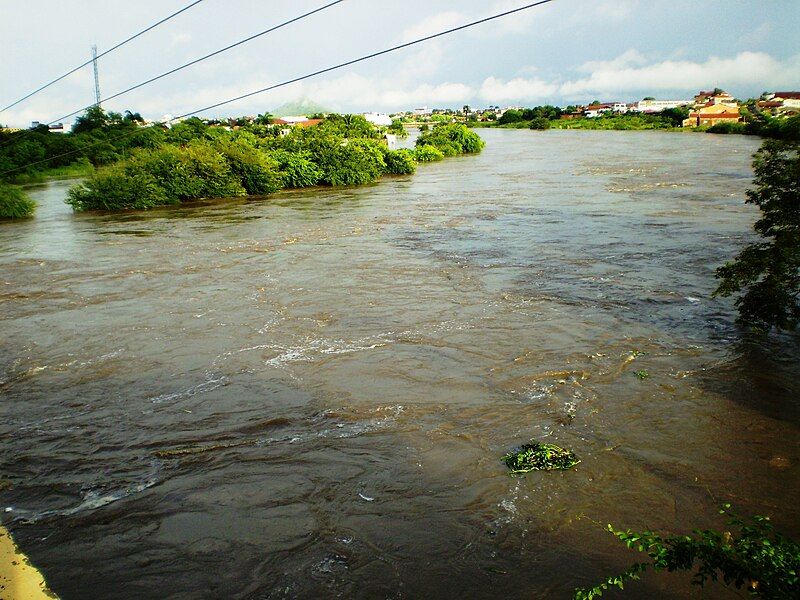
(769, 270)
(512, 115)
(94, 118)
(264, 119)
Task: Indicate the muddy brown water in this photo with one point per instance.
(306, 396)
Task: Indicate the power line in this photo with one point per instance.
(302, 77)
(102, 54)
(201, 59)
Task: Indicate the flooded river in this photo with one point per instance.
(307, 396)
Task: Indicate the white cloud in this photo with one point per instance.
(630, 58)
(434, 24)
(497, 90)
(744, 69)
(631, 73)
(616, 9)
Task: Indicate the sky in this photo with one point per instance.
(563, 52)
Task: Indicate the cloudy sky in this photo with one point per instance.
(564, 52)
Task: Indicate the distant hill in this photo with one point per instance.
(303, 106)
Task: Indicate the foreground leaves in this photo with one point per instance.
(756, 558)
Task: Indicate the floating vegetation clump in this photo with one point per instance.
(539, 457)
(642, 374)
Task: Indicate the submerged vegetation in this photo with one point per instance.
(14, 203)
(539, 457)
(757, 558)
(129, 166)
(766, 274)
(195, 161)
(451, 139)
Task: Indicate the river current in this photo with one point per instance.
(306, 396)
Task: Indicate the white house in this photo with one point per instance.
(379, 119)
(656, 106)
(422, 112)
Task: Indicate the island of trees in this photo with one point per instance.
(128, 166)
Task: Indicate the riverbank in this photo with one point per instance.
(19, 579)
(76, 170)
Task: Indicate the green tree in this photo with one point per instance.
(768, 271)
(94, 118)
(512, 115)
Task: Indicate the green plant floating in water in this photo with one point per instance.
(642, 374)
(539, 457)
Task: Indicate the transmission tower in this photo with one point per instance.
(96, 77)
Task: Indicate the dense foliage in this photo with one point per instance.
(14, 203)
(97, 137)
(428, 153)
(452, 139)
(768, 271)
(539, 457)
(400, 162)
(193, 160)
(756, 558)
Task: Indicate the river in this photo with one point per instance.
(307, 396)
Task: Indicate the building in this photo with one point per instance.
(290, 120)
(422, 112)
(379, 119)
(717, 96)
(595, 110)
(54, 128)
(712, 114)
(657, 106)
(788, 99)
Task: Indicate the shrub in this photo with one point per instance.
(258, 174)
(352, 162)
(727, 128)
(540, 123)
(188, 173)
(428, 153)
(452, 139)
(296, 168)
(14, 203)
(114, 188)
(400, 162)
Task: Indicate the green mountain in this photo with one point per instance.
(302, 106)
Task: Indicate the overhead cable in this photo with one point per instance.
(307, 76)
(116, 46)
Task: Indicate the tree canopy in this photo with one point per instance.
(766, 274)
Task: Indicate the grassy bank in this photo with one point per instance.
(76, 170)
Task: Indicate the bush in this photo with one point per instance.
(14, 203)
(114, 188)
(727, 128)
(512, 115)
(428, 153)
(540, 123)
(452, 139)
(296, 168)
(188, 173)
(400, 162)
(352, 162)
(258, 173)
